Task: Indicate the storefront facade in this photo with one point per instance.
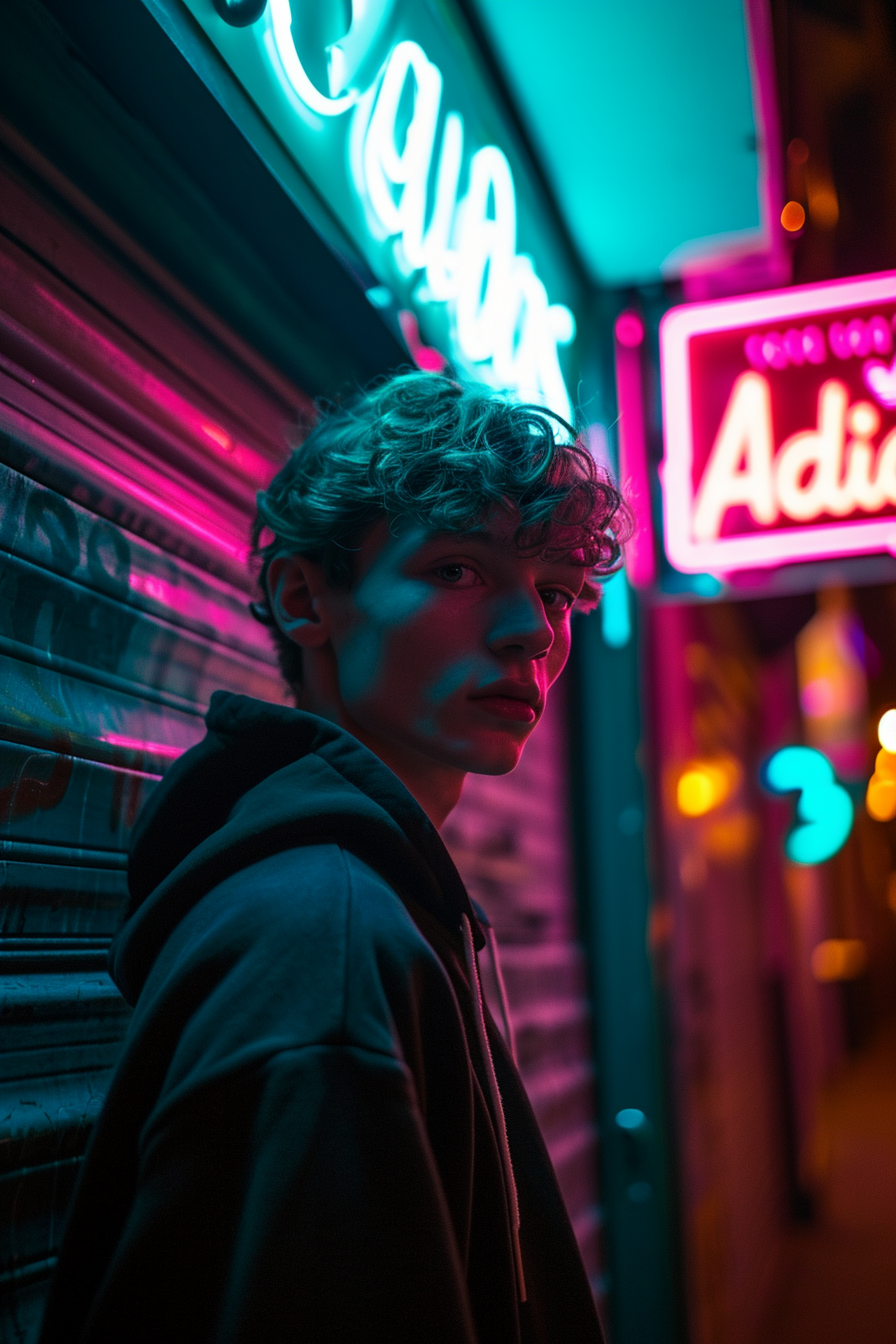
(773, 907)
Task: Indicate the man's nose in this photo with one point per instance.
(520, 623)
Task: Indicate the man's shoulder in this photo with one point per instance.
(310, 919)
(305, 947)
(308, 891)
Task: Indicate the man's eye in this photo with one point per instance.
(557, 599)
(459, 576)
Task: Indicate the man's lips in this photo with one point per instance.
(511, 700)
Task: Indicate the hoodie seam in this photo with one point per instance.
(349, 904)
(186, 1092)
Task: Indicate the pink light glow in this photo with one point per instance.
(252, 466)
(818, 698)
(217, 435)
(698, 379)
(162, 496)
(881, 381)
(163, 749)
(231, 622)
(633, 476)
(181, 513)
(128, 377)
(629, 329)
(426, 357)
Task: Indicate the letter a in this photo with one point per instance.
(745, 436)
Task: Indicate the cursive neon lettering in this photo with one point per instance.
(864, 487)
(809, 345)
(296, 76)
(797, 346)
(744, 437)
(504, 326)
(487, 252)
(816, 471)
(885, 478)
(460, 251)
(385, 166)
(820, 453)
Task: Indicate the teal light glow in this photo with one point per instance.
(706, 585)
(824, 810)
(642, 115)
(615, 612)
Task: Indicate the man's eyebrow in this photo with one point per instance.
(442, 538)
(483, 535)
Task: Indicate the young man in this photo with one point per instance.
(316, 1132)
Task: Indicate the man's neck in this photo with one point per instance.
(436, 787)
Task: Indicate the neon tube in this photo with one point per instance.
(633, 474)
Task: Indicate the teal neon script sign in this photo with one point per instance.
(392, 121)
(824, 810)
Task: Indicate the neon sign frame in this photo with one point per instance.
(756, 550)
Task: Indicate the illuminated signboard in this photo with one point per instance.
(780, 426)
(385, 109)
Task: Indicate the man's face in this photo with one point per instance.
(447, 643)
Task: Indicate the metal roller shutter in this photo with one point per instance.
(131, 445)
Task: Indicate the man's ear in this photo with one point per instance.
(295, 587)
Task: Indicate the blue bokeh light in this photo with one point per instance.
(824, 809)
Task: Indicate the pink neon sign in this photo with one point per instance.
(629, 334)
(780, 426)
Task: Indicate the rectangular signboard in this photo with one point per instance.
(779, 418)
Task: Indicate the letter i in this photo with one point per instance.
(863, 422)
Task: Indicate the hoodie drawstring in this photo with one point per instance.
(509, 1033)
(497, 1106)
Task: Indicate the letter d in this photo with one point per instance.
(821, 450)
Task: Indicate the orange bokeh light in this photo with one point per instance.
(793, 217)
(823, 205)
(839, 959)
(880, 798)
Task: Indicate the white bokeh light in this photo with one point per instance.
(886, 730)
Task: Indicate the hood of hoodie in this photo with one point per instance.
(267, 778)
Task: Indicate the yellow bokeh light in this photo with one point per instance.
(839, 959)
(695, 794)
(886, 730)
(793, 217)
(702, 786)
(880, 798)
